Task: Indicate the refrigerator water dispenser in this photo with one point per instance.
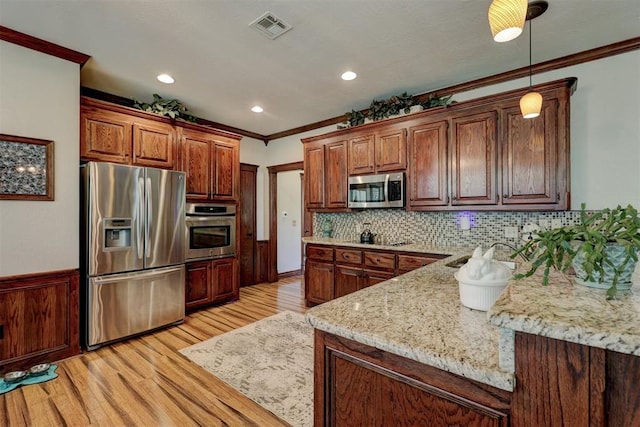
(117, 233)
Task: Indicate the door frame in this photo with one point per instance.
(272, 275)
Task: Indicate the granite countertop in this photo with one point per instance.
(418, 315)
(570, 312)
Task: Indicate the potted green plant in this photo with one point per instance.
(602, 249)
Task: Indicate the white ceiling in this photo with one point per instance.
(222, 67)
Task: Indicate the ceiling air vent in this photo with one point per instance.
(270, 25)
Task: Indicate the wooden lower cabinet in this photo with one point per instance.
(349, 279)
(358, 385)
(332, 272)
(39, 319)
(211, 281)
(318, 282)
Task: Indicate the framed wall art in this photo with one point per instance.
(26, 168)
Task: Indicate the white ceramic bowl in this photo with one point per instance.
(480, 294)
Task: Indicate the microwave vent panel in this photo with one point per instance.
(270, 25)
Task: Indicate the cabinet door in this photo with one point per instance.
(224, 284)
(314, 176)
(362, 155)
(408, 263)
(38, 320)
(198, 284)
(529, 156)
(196, 159)
(335, 176)
(473, 164)
(372, 277)
(391, 150)
(348, 280)
(105, 136)
(318, 282)
(224, 171)
(428, 165)
(153, 144)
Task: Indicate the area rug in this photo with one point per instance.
(269, 361)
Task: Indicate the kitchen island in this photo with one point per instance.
(406, 351)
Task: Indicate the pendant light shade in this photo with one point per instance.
(530, 105)
(531, 102)
(506, 19)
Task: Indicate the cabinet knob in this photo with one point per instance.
(504, 196)
(454, 198)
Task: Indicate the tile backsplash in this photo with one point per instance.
(439, 228)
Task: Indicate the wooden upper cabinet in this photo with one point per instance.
(225, 174)
(196, 158)
(391, 150)
(530, 156)
(212, 165)
(427, 178)
(362, 155)
(105, 135)
(382, 151)
(474, 157)
(114, 136)
(314, 174)
(336, 178)
(154, 144)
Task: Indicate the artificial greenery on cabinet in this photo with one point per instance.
(397, 104)
(165, 107)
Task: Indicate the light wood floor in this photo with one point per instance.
(146, 382)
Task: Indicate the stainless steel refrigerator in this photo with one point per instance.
(132, 250)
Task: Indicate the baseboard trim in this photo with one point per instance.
(289, 274)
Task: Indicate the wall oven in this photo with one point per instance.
(211, 231)
(377, 191)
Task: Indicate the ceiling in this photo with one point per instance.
(223, 67)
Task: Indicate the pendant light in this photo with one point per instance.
(506, 19)
(531, 102)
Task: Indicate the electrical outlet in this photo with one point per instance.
(556, 223)
(511, 232)
(544, 223)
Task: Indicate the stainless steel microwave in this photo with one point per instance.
(377, 191)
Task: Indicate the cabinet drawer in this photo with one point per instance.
(348, 256)
(411, 262)
(320, 252)
(380, 260)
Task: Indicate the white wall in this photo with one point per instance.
(605, 128)
(289, 216)
(40, 98)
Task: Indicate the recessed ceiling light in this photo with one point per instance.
(349, 75)
(257, 109)
(166, 78)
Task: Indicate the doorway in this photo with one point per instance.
(275, 214)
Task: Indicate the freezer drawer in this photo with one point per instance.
(121, 305)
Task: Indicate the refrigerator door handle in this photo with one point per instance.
(138, 275)
(141, 221)
(147, 231)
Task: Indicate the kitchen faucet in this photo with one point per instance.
(513, 248)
